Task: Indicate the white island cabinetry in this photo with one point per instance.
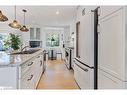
(31, 73)
(25, 75)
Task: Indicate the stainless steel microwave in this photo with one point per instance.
(35, 44)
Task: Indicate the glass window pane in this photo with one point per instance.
(38, 33)
(52, 40)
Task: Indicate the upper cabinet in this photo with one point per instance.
(31, 33)
(104, 11)
(35, 33)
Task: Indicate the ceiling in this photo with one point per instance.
(41, 15)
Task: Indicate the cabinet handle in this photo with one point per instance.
(40, 63)
(30, 64)
(38, 57)
(86, 70)
(30, 78)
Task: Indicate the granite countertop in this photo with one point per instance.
(17, 59)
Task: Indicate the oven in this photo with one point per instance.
(68, 58)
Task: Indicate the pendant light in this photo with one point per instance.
(15, 23)
(24, 28)
(2, 17)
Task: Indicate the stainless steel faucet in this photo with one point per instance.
(24, 48)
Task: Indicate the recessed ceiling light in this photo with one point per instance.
(57, 12)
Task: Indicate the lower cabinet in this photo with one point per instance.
(106, 81)
(8, 78)
(33, 71)
(28, 80)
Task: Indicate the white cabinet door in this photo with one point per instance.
(35, 33)
(26, 66)
(110, 44)
(83, 76)
(106, 81)
(8, 78)
(32, 34)
(38, 33)
(107, 10)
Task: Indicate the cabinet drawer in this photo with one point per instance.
(106, 81)
(26, 66)
(39, 63)
(39, 57)
(104, 11)
(27, 81)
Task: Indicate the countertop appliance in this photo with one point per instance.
(85, 66)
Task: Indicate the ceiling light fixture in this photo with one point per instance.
(24, 28)
(3, 18)
(15, 23)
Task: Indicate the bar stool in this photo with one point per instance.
(59, 53)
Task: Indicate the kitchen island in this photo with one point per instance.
(21, 71)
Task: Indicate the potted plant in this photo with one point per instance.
(13, 41)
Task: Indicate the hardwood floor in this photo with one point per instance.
(57, 76)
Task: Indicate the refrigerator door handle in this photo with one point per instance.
(75, 59)
(98, 29)
(99, 11)
(84, 69)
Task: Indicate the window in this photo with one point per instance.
(53, 36)
(3, 37)
(52, 39)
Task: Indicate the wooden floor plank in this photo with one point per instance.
(57, 76)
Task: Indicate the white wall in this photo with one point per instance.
(67, 36)
(4, 28)
(25, 38)
(73, 30)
